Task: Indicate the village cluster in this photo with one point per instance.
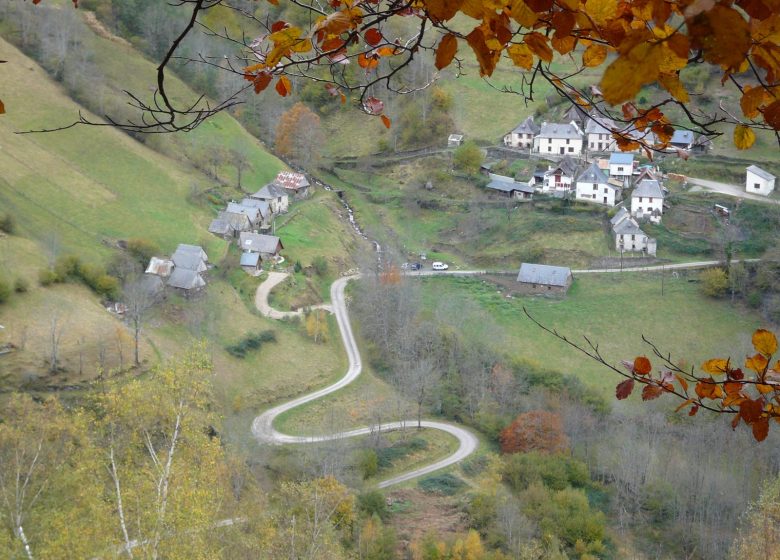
(590, 167)
(250, 222)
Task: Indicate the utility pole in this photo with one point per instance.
(662, 279)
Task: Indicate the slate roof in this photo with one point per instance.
(648, 187)
(291, 180)
(620, 215)
(269, 192)
(598, 124)
(592, 175)
(559, 130)
(160, 267)
(526, 127)
(250, 259)
(766, 175)
(544, 274)
(683, 137)
(190, 257)
(258, 242)
(627, 227)
(250, 212)
(567, 165)
(261, 205)
(238, 222)
(507, 184)
(621, 158)
(220, 226)
(186, 279)
(575, 113)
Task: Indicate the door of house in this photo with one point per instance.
(563, 150)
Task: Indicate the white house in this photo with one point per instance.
(629, 236)
(682, 139)
(454, 140)
(522, 136)
(560, 178)
(560, 139)
(759, 181)
(599, 132)
(621, 165)
(592, 186)
(647, 200)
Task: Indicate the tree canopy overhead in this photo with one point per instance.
(362, 48)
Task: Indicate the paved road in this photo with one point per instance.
(262, 426)
(730, 190)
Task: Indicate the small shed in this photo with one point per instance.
(508, 187)
(186, 281)
(251, 263)
(454, 140)
(295, 183)
(759, 181)
(190, 257)
(544, 279)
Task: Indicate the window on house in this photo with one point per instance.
(567, 141)
(620, 169)
(632, 237)
(592, 145)
(549, 148)
(605, 191)
(640, 199)
(757, 186)
(571, 148)
(595, 186)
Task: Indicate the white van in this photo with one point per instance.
(439, 266)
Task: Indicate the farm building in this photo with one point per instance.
(276, 197)
(759, 181)
(543, 279)
(522, 136)
(508, 187)
(296, 184)
(268, 246)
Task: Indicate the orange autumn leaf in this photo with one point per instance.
(650, 392)
(538, 45)
(624, 389)
(446, 50)
(708, 389)
(283, 86)
(761, 429)
(386, 121)
(642, 365)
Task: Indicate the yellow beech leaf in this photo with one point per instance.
(717, 366)
(744, 137)
(442, 10)
(764, 389)
(673, 85)
(765, 341)
(601, 11)
(564, 44)
(522, 14)
(594, 55)
(757, 363)
(623, 79)
(521, 55)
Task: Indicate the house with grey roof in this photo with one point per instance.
(543, 279)
(621, 165)
(508, 187)
(276, 197)
(594, 186)
(598, 130)
(629, 237)
(759, 181)
(647, 200)
(190, 257)
(256, 211)
(186, 281)
(682, 139)
(558, 139)
(560, 177)
(522, 136)
(576, 114)
(229, 224)
(251, 263)
(269, 246)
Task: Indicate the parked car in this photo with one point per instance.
(438, 265)
(415, 266)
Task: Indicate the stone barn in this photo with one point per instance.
(543, 279)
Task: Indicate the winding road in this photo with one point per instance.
(262, 426)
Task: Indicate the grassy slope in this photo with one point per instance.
(614, 311)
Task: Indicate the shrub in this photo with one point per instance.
(7, 223)
(373, 503)
(297, 267)
(468, 157)
(368, 463)
(252, 341)
(445, 484)
(5, 290)
(142, 250)
(714, 282)
(21, 285)
(320, 265)
(47, 277)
